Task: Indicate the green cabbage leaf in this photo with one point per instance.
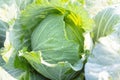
(103, 62)
(105, 21)
(3, 28)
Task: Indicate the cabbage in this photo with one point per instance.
(51, 39)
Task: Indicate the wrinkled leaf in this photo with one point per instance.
(7, 73)
(104, 63)
(59, 71)
(3, 28)
(105, 21)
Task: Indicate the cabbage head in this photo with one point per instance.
(51, 40)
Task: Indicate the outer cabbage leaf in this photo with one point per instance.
(10, 9)
(4, 71)
(10, 73)
(3, 28)
(2, 62)
(59, 71)
(21, 4)
(7, 70)
(105, 21)
(104, 63)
